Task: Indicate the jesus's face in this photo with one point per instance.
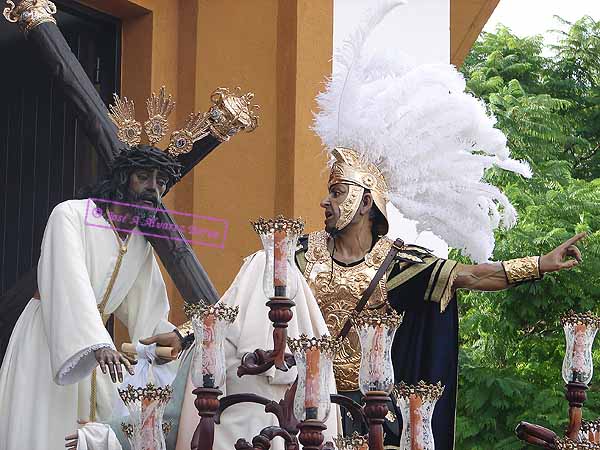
(146, 188)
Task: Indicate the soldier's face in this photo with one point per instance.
(331, 204)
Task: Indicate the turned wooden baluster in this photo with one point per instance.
(207, 404)
(260, 361)
(576, 396)
(311, 434)
(280, 314)
(375, 410)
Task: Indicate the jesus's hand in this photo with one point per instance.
(165, 340)
(72, 441)
(107, 357)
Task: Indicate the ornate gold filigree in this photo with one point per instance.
(159, 107)
(127, 428)
(349, 168)
(186, 328)
(149, 392)
(317, 251)
(587, 318)
(354, 442)
(590, 426)
(368, 318)
(424, 390)
(337, 290)
(279, 223)
(231, 113)
(326, 344)
(196, 127)
(221, 311)
(28, 14)
(122, 113)
(568, 444)
(350, 205)
(522, 269)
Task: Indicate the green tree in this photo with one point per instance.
(546, 101)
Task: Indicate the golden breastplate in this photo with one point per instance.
(337, 290)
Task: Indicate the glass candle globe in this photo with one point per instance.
(127, 430)
(416, 404)
(580, 331)
(279, 237)
(314, 361)
(376, 333)
(146, 407)
(210, 323)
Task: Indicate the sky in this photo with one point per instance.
(530, 17)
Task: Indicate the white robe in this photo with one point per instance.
(251, 330)
(45, 377)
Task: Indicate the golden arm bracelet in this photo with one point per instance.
(522, 269)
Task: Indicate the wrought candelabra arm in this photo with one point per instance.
(355, 410)
(235, 399)
(283, 410)
(243, 444)
(255, 363)
(260, 360)
(536, 435)
(273, 432)
(263, 440)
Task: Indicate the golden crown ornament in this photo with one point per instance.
(159, 107)
(228, 114)
(28, 14)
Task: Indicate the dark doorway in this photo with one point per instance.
(44, 156)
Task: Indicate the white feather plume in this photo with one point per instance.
(432, 141)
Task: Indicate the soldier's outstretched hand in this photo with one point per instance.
(565, 256)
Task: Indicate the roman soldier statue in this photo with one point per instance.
(412, 137)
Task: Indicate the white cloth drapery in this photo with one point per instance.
(45, 376)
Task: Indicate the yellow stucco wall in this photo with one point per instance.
(467, 19)
(278, 49)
